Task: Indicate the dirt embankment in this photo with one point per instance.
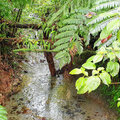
(7, 80)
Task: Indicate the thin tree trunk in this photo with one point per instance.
(51, 64)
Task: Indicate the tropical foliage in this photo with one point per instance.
(66, 28)
(108, 13)
(108, 48)
(3, 113)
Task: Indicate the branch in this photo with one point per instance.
(115, 83)
(33, 50)
(14, 39)
(18, 25)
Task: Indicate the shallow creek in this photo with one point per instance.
(44, 98)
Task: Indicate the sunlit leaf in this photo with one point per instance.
(105, 77)
(97, 58)
(113, 68)
(89, 65)
(92, 83)
(76, 71)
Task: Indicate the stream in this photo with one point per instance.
(44, 98)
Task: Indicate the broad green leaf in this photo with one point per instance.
(111, 55)
(85, 73)
(82, 69)
(83, 88)
(89, 65)
(97, 58)
(90, 59)
(118, 104)
(102, 51)
(92, 83)
(117, 54)
(118, 35)
(80, 83)
(105, 77)
(95, 72)
(113, 68)
(119, 99)
(75, 71)
(110, 66)
(100, 68)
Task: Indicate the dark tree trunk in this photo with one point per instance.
(51, 64)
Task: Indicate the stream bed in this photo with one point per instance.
(44, 98)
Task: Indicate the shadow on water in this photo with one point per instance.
(45, 98)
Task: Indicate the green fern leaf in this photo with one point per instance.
(62, 41)
(61, 47)
(3, 113)
(68, 28)
(64, 34)
(72, 21)
(105, 5)
(60, 54)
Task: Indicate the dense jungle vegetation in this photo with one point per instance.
(67, 29)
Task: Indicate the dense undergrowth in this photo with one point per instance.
(67, 29)
(111, 94)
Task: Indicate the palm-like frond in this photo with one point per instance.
(100, 21)
(68, 39)
(107, 4)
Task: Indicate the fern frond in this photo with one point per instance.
(55, 15)
(99, 44)
(110, 4)
(68, 28)
(72, 21)
(103, 16)
(64, 34)
(109, 42)
(101, 26)
(61, 47)
(102, 1)
(62, 41)
(60, 54)
(3, 113)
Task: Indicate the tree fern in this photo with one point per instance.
(70, 7)
(99, 22)
(68, 41)
(3, 113)
(107, 4)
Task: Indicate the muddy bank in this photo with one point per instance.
(9, 80)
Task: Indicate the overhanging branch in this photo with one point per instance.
(18, 25)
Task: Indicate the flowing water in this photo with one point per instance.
(44, 98)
